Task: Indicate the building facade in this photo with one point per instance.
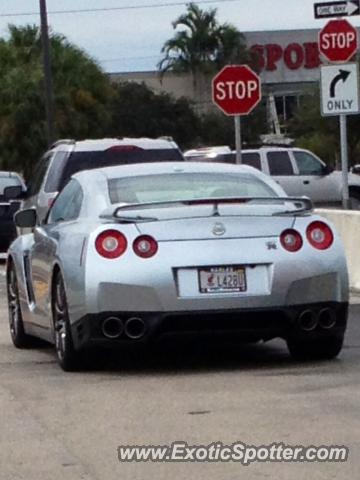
(289, 64)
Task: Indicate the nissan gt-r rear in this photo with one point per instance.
(135, 253)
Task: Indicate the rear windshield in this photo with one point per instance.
(219, 157)
(8, 182)
(249, 158)
(79, 161)
(186, 186)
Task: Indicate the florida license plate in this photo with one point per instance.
(222, 279)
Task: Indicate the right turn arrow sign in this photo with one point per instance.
(339, 89)
(342, 75)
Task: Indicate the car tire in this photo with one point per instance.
(67, 356)
(16, 324)
(325, 348)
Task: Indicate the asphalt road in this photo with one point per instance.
(56, 425)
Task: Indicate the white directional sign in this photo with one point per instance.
(339, 89)
(345, 8)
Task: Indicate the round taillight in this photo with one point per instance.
(145, 246)
(291, 240)
(319, 235)
(111, 244)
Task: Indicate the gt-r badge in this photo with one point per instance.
(271, 245)
(219, 229)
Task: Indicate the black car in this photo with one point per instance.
(8, 208)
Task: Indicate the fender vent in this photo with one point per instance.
(27, 270)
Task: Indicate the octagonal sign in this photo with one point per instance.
(338, 41)
(236, 90)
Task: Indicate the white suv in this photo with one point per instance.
(300, 172)
(67, 157)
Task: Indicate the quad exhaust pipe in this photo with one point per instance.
(327, 318)
(112, 327)
(309, 320)
(135, 328)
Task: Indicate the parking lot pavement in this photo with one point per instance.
(68, 425)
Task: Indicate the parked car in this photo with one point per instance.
(132, 253)
(67, 157)
(9, 204)
(298, 171)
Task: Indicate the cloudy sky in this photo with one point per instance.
(128, 36)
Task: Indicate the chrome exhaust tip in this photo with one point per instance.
(307, 321)
(327, 318)
(112, 327)
(135, 328)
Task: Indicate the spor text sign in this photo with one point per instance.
(236, 90)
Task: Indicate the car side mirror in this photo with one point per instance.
(327, 170)
(356, 169)
(14, 192)
(26, 218)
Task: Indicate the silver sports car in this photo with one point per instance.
(134, 253)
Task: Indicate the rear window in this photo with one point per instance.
(252, 159)
(219, 157)
(54, 175)
(79, 161)
(8, 182)
(279, 163)
(186, 186)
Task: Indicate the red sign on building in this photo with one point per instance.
(338, 41)
(236, 90)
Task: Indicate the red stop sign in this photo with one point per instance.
(338, 41)
(236, 90)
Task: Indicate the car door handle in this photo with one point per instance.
(306, 182)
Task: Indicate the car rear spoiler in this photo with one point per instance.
(303, 206)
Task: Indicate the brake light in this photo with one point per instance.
(319, 235)
(145, 246)
(123, 148)
(111, 244)
(291, 240)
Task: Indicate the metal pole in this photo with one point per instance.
(344, 161)
(49, 104)
(238, 139)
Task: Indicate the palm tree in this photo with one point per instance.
(192, 48)
(203, 45)
(231, 47)
(83, 94)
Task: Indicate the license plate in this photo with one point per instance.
(222, 279)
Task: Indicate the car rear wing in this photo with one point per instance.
(302, 206)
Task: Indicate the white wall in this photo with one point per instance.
(347, 224)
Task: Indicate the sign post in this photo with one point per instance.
(338, 42)
(238, 138)
(344, 160)
(236, 90)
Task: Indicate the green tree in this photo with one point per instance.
(321, 134)
(218, 129)
(203, 45)
(82, 93)
(137, 111)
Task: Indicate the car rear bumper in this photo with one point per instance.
(321, 319)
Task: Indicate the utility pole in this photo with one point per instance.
(49, 102)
